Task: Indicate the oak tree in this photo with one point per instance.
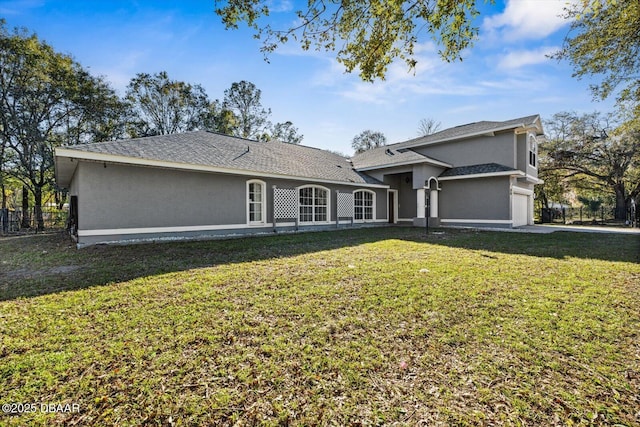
(367, 140)
(243, 99)
(46, 100)
(367, 34)
(286, 132)
(594, 149)
(604, 42)
(161, 106)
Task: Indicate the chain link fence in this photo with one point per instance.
(13, 221)
(583, 216)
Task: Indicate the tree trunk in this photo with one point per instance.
(4, 196)
(4, 214)
(26, 223)
(37, 194)
(621, 205)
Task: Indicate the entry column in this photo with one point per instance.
(433, 203)
(420, 203)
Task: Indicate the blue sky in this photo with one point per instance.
(505, 75)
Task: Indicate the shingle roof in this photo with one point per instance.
(378, 157)
(476, 170)
(223, 151)
(469, 129)
(390, 156)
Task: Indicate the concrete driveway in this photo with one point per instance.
(551, 228)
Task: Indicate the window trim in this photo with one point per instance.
(263, 202)
(328, 205)
(373, 206)
(532, 151)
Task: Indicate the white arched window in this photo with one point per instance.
(364, 202)
(256, 202)
(314, 204)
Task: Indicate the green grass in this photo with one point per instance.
(361, 327)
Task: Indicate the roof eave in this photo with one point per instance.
(63, 172)
(136, 161)
(407, 163)
(487, 133)
(516, 173)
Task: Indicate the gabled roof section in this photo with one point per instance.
(215, 152)
(402, 154)
(391, 156)
(470, 130)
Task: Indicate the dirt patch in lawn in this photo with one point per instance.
(26, 273)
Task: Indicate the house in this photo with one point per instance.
(203, 184)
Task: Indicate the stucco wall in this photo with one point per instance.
(406, 197)
(382, 174)
(486, 198)
(474, 151)
(523, 156)
(421, 173)
(120, 196)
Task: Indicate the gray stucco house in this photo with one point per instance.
(202, 184)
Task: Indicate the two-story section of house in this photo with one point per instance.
(478, 174)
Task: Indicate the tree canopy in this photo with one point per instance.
(367, 34)
(595, 152)
(243, 100)
(286, 132)
(161, 106)
(368, 139)
(604, 42)
(46, 100)
(428, 126)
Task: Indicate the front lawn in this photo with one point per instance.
(361, 327)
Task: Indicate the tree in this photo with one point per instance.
(46, 99)
(286, 132)
(604, 41)
(591, 147)
(161, 106)
(96, 114)
(428, 126)
(367, 34)
(3, 151)
(367, 140)
(219, 119)
(243, 100)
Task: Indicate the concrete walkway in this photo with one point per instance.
(549, 228)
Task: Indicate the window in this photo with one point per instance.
(314, 204)
(533, 151)
(256, 206)
(363, 205)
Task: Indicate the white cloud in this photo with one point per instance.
(280, 5)
(528, 19)
(18, 7)
(431, 76)
(522, 58)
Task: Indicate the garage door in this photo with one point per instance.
(520, 209)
